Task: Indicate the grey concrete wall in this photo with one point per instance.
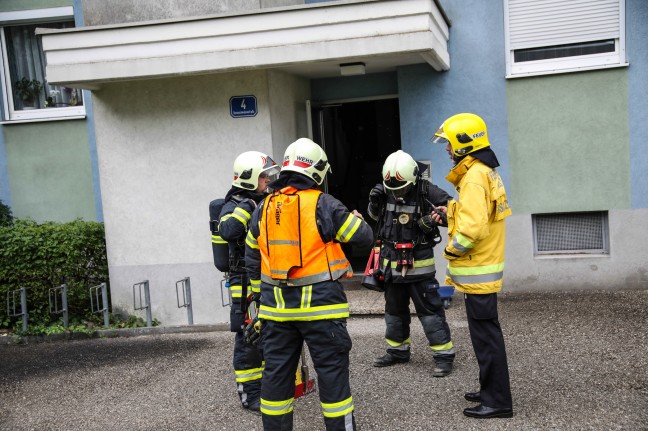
(166, 149)
(100, 12)
(287, 96)
(624, 268)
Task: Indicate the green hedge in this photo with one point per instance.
(6, 218)
(43, 256)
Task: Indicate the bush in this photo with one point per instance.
(43, 256)
(6, 217)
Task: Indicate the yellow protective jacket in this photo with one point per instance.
(476, 228)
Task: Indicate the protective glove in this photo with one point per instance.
(377, 195)
(253, 332)
(376, 199)
(426, 223)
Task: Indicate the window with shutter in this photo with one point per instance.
(557, 36)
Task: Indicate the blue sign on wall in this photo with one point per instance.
(243, 106)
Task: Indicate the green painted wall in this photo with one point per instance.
(14, 5)
(50, 171)
(569, 142)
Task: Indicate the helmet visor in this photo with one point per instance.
(271, 172)
(440, 140)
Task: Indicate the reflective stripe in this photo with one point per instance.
(476, 274)
(476, 279)
(255, 285)
(302, 281)
(278, 299)
(350, 226)
(476, 270)
(283, 242)
(307, 295)
(446, 346)
(400, 208)
(236, 290)
(461, 243)
(334, 410)
(279, 314)
(404, 345)
(251, 241)
(241, 215)
(424, 266)
(248, 375)
(417, 263)
(217, 239)
(276, 408)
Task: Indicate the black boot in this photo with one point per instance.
(388, 359)
(443, 364)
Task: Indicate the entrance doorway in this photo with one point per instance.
(357, 137)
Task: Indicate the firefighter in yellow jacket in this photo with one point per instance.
(293, 247)
(475, 254)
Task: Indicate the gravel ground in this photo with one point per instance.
(578, 361)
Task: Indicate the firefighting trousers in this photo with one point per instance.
(488, 344)
(329, 344)
(248, 363)
(429, 309)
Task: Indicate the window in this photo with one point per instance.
(555, 36)
(26, 93)
(571, 233)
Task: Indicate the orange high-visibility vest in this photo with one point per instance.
(292, 250)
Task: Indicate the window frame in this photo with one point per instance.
(576, 63)
(575, 252)
(10, 114)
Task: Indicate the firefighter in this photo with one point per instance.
(293, 246)
(253, 171)
(475, 254)
(402, 206)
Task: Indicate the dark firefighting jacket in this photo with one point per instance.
(398, 224)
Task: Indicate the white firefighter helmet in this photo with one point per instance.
(308, 158)
(399, 172)
(249, 165)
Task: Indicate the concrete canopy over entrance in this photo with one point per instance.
(311, 41)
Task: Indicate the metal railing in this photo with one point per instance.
(185, 285)
(11, 305)
(53, 296)
(100, 304)
(146, 305)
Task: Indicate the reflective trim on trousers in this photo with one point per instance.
(395, 345)
(445, 348)
(276, 408)
(248, 375)
(334, 410)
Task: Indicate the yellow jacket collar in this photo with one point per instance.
(460, 169)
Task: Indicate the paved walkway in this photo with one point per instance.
(578, 361)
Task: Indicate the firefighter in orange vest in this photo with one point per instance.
(293, 247)
(253, 172)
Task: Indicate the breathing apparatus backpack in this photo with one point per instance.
(220, 247)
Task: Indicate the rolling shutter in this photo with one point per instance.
(540, 23)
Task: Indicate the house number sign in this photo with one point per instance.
(243, 106)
